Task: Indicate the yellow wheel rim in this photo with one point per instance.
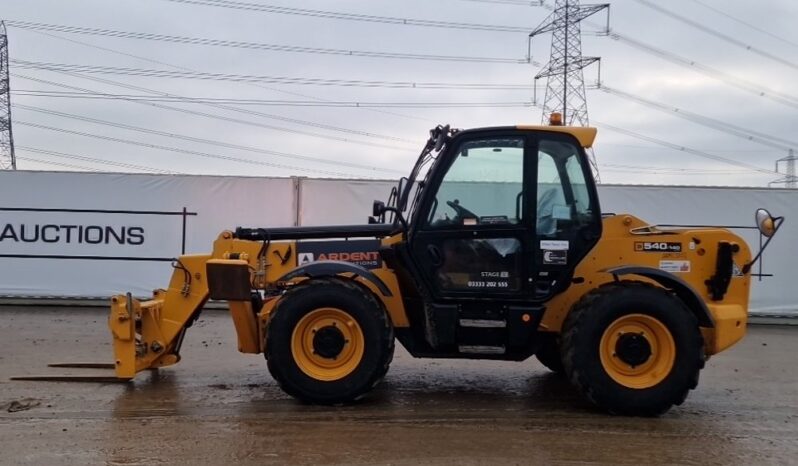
(327, 344)
(637, 351)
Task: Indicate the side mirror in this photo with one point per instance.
(378, 208)
(765, 223)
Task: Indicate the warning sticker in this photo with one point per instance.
(554, 245)
(675, 266)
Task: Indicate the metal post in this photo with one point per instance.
(183, 244)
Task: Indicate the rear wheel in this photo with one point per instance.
(632, 348)
(329, 341)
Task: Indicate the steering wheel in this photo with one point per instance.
(460, 211)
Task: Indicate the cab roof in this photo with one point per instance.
(584, 134)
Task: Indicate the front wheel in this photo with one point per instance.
(632, 348)
(329, 341)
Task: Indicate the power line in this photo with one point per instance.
(508, 2)
(670, 170)
(745, 23)
(96, 160)
(719, 35)
(684, 149)
(59, 164)
(263, 8)
(257, 45)
(230, 119)
(182, 151)
(202, 140)
(714, 149)
(658, 174)
(739, 83)
(267, 102)
(728, 128)
(414, 117)
(152, 73)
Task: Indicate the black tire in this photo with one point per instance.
(548, 353)
(355, 301)
(596, 313)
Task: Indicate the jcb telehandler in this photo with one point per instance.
(494, 248)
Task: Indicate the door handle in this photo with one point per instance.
(435, 256)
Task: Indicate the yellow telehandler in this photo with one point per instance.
(494, 247)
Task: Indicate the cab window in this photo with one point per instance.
(563, 200)
(483, 185)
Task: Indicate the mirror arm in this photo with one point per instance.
(399, 217)
(380, 208)
(777, 224)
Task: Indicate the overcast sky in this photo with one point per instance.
(383, 142)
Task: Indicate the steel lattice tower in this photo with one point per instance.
(8, 160)
(565, 86)
(790, 178)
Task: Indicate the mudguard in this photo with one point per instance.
(331, 268)
(682, 289)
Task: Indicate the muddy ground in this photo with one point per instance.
(220, 407)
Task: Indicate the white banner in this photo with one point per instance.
(56, 233)
(94, 235)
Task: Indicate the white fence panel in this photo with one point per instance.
(95, 234)
(339, 202)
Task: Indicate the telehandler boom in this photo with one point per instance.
(495, 247)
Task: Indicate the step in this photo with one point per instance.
(476, 349)
(483, 323)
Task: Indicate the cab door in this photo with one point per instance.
(471, 235)
(567, 213)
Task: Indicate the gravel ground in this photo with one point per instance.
(218, 407)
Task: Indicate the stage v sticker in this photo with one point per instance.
(651, 246)
(675, 266)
